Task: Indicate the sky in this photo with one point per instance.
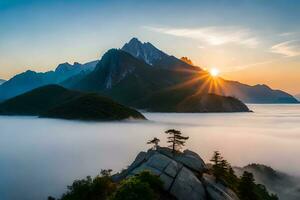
(251, 41)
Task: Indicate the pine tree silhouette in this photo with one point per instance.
(176, 139)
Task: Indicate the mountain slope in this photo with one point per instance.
(2, 81)
(30, 80)
(246, 93)
(133, 82)
(92, 107)
(183, 101)
(144, 51)
(57, 102)
(122, 76)
(138, 71)
(153, 56)
(37, 101)
(256, 93)
(297, 96)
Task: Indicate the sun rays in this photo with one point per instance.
(201, 82)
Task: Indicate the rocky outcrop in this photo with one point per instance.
(216, 190)
(183, 174)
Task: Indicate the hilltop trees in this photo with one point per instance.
(176, 139)
(154, 141)
(100, 187)
(220, 166)
(245, 186)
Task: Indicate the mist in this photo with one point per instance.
(40, 157)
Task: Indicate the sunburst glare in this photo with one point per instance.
(214, 72)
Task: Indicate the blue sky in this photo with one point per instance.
(237, 36)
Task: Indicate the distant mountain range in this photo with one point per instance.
(30, 80)
(142, 76)
(297, 96)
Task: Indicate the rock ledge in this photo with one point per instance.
(183, 174)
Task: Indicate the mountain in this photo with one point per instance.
(162, 174)
(297, 96)
(144, 51)
(257, 93)
(246, 93)
(140, 71)
(153, 56)
(189, 101)
(29, 80)
(187, 60)
(135, 83)
(2, 81)
(284, 185)
(54, 101)
(66, 70)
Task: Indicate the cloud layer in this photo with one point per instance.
(288, 48)
(213, 35)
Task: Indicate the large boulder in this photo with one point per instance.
(216, 190)
(188, 158)
(188, 185)
(192, 161)
(183, 174)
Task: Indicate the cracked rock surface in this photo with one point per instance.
(183, 174)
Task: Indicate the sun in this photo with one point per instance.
(214, 72)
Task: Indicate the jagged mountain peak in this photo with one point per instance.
(76, 67)
(29, 79)
(134, 40)
(117, 56)
(154, 56)
(63, 67)
(144, 51)
(187, 60)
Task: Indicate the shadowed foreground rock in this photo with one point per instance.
(183, 174)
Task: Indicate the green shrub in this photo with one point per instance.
(99, 188)
(143, 186)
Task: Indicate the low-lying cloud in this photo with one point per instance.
(213, 35)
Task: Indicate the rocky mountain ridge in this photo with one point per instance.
(29, 80)
(246, 93)
(140, 71)
(184, 175)
(134, 83)
(144, 51)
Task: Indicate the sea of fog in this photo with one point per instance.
(40, 157)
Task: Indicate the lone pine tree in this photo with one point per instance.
(176, 140)
(154, 141)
